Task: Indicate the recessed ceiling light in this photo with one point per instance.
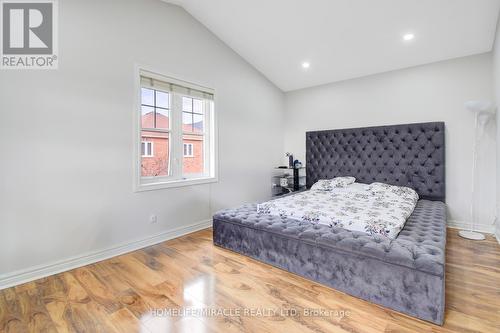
(306, 65)
(408, 37)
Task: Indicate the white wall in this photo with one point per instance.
(434, 92)
(66, 135)
(496, 96)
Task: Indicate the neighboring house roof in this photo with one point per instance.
(162, 122)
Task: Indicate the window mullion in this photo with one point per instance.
(176, 136)
(154, 109)
(206, 138)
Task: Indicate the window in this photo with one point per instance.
(188, 150)
(176, 133)
(147, 149)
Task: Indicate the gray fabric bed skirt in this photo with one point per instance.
(405, 274)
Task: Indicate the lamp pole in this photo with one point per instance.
(480, 109)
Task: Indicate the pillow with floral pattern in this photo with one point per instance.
(401, 191)
(330, 184)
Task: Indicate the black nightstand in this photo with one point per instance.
(295, 178)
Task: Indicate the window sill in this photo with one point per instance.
(174, 183)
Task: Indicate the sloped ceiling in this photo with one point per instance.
(343, 39)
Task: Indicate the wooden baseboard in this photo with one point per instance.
(40, 271)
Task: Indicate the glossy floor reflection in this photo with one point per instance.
(170, 287)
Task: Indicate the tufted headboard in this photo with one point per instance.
(410, 155)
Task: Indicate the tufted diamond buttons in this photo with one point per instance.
(331, 152)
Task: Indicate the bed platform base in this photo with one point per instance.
(406, 274)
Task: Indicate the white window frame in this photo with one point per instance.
(190, 150)
(210, 149)
(146, 143)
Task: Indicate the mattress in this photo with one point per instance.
(375, 209)
(405, 274)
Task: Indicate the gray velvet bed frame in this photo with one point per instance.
(406, 274)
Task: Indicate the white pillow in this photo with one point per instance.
(330, 184)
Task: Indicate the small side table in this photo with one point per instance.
(296, 180)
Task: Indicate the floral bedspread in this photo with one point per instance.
(375, 209)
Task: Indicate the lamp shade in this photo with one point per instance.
(479, 106)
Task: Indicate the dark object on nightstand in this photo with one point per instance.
(290, 159)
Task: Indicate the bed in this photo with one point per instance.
(406, 274)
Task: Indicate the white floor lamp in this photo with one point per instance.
(483, 113)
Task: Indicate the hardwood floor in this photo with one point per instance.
(117, 295)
